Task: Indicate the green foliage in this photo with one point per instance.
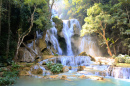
(55, 68)
(6, 81)
(59, 23)
(127, 61)
(49, 64)
(96, 21)
(122, 59)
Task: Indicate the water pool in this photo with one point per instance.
(32, 81)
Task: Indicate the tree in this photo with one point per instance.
(8, 40)
(97, 22)
(39, 17)
(0, 14)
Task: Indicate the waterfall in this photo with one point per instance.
(120, 72)
(68, 31)
(51, 36)
(89, 46)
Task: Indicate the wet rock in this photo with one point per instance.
(24, 73)
(25, 56)
(44, 63)
(65, 69)
(83, 54)
(96, 78)
(81, 68)
(82, 76)
(70, 67)
(53, 77)
(64, 77)
(37, 71)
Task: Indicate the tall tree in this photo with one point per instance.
(97, 21)
(0, 14)
(8, 40)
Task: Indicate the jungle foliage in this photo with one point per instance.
(109, 19)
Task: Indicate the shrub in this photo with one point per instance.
(49, 64)
(6, 81)
(15, 67)
(127, 61)
(122, 59)
(55, 68)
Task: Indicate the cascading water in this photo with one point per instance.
(119, 72)
(51, 36)
(68, 31)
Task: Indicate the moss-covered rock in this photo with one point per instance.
(37, 71)
(83, 54)
(24, 73)
(58, 24)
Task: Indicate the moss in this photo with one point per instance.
(83, 54)
(58, 23)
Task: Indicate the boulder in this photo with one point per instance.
(64, 77)
(53, 77)
(25, 56)
(24, 73)
(82, 76)
(81, 68)
(44, 63)
(83, 54)
(65, 69)
(37, 71)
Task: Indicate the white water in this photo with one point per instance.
(119, 72)
(51, 36)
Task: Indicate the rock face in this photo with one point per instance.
(25, 55)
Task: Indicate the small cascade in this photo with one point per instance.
(68, 31)
(119, 72)
(70, 60)
(51, 36)
(89, 46)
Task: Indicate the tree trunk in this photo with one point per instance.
(34, 45)
(114, 48)
(23, 35)
(8, 40)
(108, 48)
(0, 14)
